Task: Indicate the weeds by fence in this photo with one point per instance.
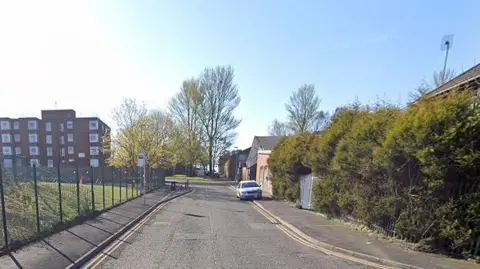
(36, 200)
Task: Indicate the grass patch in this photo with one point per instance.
(20, 205)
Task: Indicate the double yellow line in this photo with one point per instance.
(270, 217)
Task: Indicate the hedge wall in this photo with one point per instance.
(416, 168)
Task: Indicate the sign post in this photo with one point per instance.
(141, 163)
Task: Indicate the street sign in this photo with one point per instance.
(141, 160)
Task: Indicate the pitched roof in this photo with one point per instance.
(260, 143)
(268, 142)
(469, 75)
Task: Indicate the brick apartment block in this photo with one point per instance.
(58, 137)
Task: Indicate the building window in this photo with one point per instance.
(33, 138)
(50, 163)
(33, 150)
(32, 125)
(35, 162)
(62, 140)
(18, 150)
(93, 138)
(16, 125)
(93, 125)
(5, 125)
(69, 124)
(94, 150)
(61, 127)
(7, 150)
(49, 151)
(16, 137)
(70, 150)
(70, 137)
(6, 138)
(62, 152)
(48, 139)
(48, 126)
(94, 162)
(8, 163)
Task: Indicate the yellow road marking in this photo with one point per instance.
(304, 242)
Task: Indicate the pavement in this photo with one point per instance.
(210, 228)
(62, 249)
(338, 234)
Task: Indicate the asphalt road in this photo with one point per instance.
(210, 228)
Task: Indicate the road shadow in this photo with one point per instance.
(93, 244)
(15, 261)
(43, 241)
(193, 215)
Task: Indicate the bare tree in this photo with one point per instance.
(222, 145)
(319, 121)
(278, 128)
(440, 78)
(303, 110)
(219, 98)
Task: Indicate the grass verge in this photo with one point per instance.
(21, 209)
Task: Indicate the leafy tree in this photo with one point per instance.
(141, 131)
(185, 108)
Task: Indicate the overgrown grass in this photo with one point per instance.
(20, 205)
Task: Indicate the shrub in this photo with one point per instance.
(415, 167)
(286, 164)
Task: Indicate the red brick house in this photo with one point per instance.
(257, 166)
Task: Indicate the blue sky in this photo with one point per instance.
(90, 55)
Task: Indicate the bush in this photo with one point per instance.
(286, 164)
(415, 167)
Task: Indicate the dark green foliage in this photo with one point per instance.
(416, 168)
(286, 164)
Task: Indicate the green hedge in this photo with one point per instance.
(416, 167)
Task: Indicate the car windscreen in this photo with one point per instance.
(249, 185)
